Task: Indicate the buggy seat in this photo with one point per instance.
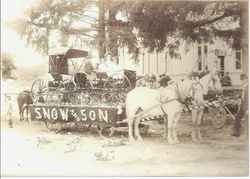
(80, 79)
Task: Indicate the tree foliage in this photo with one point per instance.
(7, 66)
(54, 20)
(155, 25)
(190, 21)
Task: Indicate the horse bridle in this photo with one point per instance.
(193, 86)
(188, 98)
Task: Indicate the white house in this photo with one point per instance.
(198, 57)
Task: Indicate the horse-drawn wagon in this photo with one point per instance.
(74, 96)
(97, 99)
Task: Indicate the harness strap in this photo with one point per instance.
(163, 110)
(159, 104)
(187, 106)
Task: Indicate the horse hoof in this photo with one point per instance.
(170, 142)
(139, 139)
(131, 139)
(200, 139)
(176, 142)
(195, 140)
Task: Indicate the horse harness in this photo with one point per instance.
(187, 101)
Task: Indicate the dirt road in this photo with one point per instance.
(29, 149)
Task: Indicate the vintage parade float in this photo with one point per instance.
(79, 98)
(96, 99)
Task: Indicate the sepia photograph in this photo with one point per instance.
(124, 88)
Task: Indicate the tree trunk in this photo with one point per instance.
(101, 30)
(244, 35)
(112, 33)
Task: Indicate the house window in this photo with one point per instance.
(199, 51)
(199, 59)
(205, 50)
(199, 64)
(238, 60)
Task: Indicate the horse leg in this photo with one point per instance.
(137, 133)
(175, 121)
(23, 111)
(165, 127)
(25, 108)
(170, 126)
(130, 129)
(194, 124)
(20, 115)
(27, 113)
(199, 118)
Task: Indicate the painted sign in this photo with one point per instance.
(88, 115)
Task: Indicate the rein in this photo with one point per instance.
(188, 96)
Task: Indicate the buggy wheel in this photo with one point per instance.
(39, 91)
(220, 117)
(105, 132)
(116, 87)
(53, 126)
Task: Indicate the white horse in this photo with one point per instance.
(208, 82)
(168, 101)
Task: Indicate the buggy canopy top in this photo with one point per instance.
(68, 52)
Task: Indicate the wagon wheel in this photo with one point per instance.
(116, 86)
(53, 126)
(67, 92)
(105, 132)
(219, 120)
(39, 91)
